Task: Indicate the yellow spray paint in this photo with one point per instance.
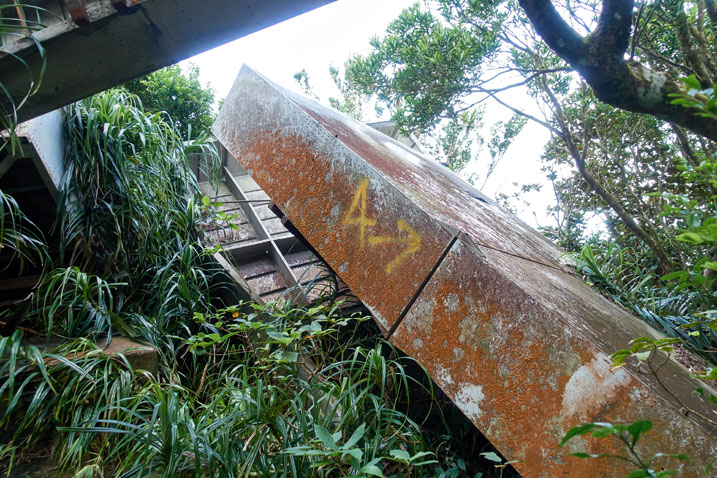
(412, 241)
(356, 215)
(359, 202)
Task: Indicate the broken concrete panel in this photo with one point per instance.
(479, 298)
(114, 42)
(525, 356)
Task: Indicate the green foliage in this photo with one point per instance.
(180, 95)
(672, 310)
(695, 97)
(654, 354)
(264, 409)
(128, 193)
(75, 304)
(628, 436)
(19, 235)
(302, 78)
(285, 389)
(352, 101)
(502, 135)
(455, 141)
(425, 62)
(40, 390)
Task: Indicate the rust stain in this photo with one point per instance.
(78, 12)
(430, 187)
(483, 341)
(519, 345)
(351, 220)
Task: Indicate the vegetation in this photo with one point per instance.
(18, 20)
(628, 436)
(298, 389)
(180, 95)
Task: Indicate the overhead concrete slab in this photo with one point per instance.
(519, 343)
(92, 45)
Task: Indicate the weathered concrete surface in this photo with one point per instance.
(139, 356)
(480, 299)
(117, 40)
(46, 137)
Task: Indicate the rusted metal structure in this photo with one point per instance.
(519, 343)
(91, 45)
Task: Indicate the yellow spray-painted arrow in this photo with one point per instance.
(412, 241)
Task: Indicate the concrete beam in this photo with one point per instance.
(124, 39)
(46, 137)
(517, 341)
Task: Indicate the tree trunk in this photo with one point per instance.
(665, 264)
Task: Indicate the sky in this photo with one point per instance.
(330, 35)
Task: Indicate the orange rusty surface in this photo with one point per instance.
(432, 188)
(381, 246)
(524, 377)
(318, 201)
(520, 345)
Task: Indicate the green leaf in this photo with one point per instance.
(673, 276)
(690, 237)
(581, 454)
(356, 436)
(493, 456)
(356, 454)
(400, 455)
(602, 432)
(691, 83)
(577, 431)
(638, 428)
(325, 437)
(372, 470)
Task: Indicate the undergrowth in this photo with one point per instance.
(287, 389)
(682, 313)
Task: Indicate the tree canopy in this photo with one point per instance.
(180, 94)
(632, 57)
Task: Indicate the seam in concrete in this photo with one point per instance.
(405, 310)
(518, 256)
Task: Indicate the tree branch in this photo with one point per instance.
(600, 59)
(555, 31)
